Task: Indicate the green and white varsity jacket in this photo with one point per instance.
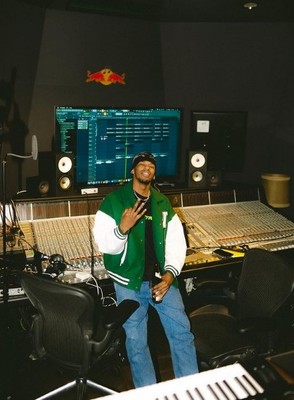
(124, 255)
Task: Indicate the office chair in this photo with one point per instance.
(258, 320)
(72, 329)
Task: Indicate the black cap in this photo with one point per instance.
(143, 156)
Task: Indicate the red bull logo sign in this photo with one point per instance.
(106, 77)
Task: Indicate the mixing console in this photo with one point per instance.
(234, 225)
(69, 236)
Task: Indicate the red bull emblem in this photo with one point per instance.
(105, 77)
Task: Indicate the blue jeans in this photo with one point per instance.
(176, 326)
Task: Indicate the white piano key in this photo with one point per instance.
(216, 384)
(248, 386)
(197, 395)
(254, 383)
(219, 394)
(228, 392)
(237, 388)
(249, 390)
(205, 392)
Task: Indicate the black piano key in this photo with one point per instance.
(230, 390)
(213, 392)
(198, 394)
(243, 386)
(251, 383)
(222, 390)
(190, 395)
(173, 397)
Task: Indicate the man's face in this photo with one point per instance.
(144, 172)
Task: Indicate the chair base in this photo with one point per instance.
(81, 385)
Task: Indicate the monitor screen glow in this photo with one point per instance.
(105, 140)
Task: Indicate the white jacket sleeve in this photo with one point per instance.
(107, 235)
(176, 247)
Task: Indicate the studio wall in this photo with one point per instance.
(20, 38)
(197, 66)
(73, 44)
(236, 67)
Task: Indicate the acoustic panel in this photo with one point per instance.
(223, 136)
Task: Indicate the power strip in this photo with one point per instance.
(89, 191)
(13, 292)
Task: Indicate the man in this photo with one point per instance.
(138, 231)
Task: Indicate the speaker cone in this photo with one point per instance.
(198, 160)
(197, 176)
(214, 178)
(64, 164)
(197, 169)
(64, 183)
(43, 187)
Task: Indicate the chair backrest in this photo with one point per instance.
(65, 320)
(266, 284)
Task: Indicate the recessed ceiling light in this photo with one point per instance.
(250, 5)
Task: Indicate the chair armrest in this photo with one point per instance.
(117, 316)
(209, 283)
(256, 324)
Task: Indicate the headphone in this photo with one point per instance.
(56, 265)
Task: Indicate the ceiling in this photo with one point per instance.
(180, 10)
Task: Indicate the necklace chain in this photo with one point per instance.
(140, 197)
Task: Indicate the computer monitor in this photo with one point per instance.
(103, 141)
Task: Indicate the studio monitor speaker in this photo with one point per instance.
(37, 186)
(214, 179)
(197, 169)
(58, 168)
